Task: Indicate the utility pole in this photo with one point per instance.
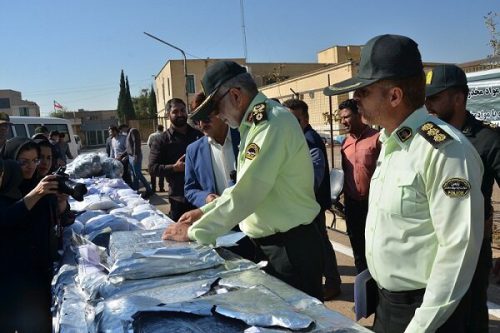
(243, 30)
(185, 65)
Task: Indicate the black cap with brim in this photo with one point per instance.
(216, 75)
(443, 77)
(383, 57)
(203, 111)
(347, 86)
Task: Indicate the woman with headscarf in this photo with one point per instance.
(29, 240)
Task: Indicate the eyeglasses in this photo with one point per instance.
(216, 104)
(24, 162)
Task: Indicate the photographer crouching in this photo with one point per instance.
(33, 214)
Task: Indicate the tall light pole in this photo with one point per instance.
(185, 64)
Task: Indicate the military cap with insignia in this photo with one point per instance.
(215, 76)
(383, 57)
(443, 77)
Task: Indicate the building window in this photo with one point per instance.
(4, 103)
(191, 88)
(24, 111)
(168, 87)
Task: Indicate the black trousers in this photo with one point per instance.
(355, 216)
(177, 208)
(161, 182)
(296, 257)
(396, 309)
(478, 290)
(331, 272)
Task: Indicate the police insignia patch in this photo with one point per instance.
(456, 187)
(251, 151)
(404, 133)
(258, 113)
(434, 134)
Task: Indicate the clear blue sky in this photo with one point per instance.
(72, 51)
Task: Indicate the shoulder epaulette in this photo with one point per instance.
(434, 134)
(258, 113)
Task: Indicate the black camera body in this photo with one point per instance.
(67, 186)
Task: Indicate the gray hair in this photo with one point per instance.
(244, 81)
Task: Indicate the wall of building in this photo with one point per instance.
(11, 102)
(309, 88)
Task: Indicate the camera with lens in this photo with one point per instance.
(67, 186)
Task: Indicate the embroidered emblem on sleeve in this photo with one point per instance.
(456, 187)
(434, 134)
(251, 151)
(404, 133)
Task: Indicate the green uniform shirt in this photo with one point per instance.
(274, 189)
(425, 220)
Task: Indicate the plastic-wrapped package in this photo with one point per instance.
(87, 215)
(94, 202)
(112, 168)
(94, 164)
(155, 222)
(122, 211)
(115, 223)
(142, 254)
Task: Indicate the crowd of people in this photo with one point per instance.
(417, 193)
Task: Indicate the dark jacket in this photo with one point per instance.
(164, 154)
(323, 193)
(134, 143)
(486, 139)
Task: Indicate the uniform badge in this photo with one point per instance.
(434, 134)
(428, 78)
(251, 151)
(404, 133)
(258, 113)
(456, 187)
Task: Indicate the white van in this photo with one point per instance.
(25, 127)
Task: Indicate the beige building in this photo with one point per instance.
(11, 102)
(170, 80)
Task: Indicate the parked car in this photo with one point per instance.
(25, 127)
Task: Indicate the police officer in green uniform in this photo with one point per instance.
(446, 93)
(273, 199)
(422, 238)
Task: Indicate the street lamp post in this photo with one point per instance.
(185, 64)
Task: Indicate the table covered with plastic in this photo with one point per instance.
(117, 275)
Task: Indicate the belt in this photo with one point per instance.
(280, 237)
(403, 297)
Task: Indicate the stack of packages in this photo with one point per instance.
(117, 275)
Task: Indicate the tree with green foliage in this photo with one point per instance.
(152, 109)
(129, 111)
(120, 109)
(141, 104)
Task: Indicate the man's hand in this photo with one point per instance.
(178, 231)
(211, 197)
(180, 165)
(190, 217)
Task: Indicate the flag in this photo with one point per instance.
(57, 106)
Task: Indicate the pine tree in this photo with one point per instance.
(120, 109)
(152, 110)
(129, 105)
